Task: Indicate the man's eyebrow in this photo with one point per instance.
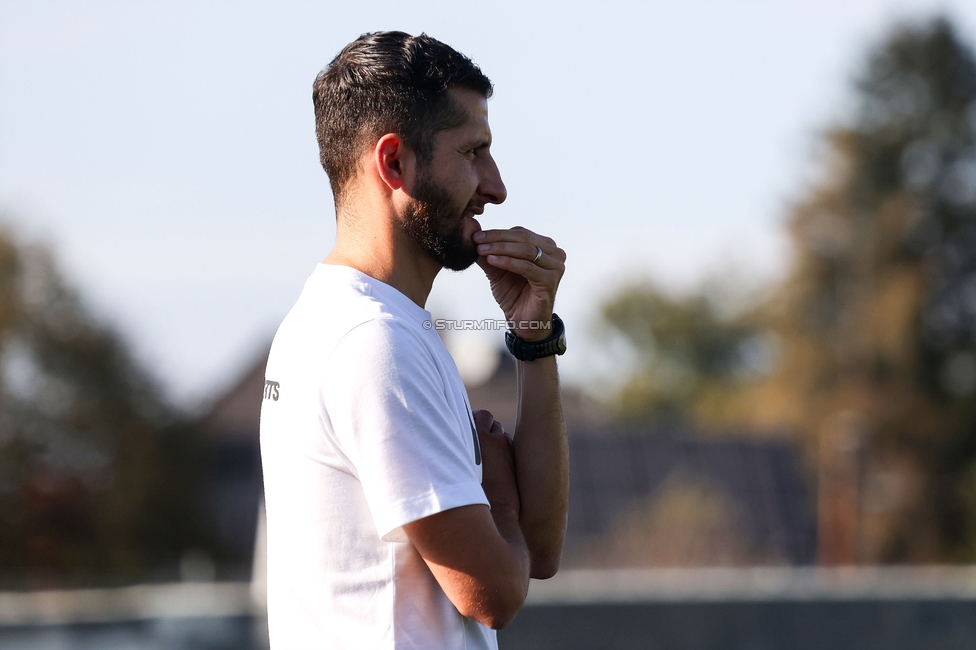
(480, 142)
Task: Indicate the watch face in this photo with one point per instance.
(525, 351)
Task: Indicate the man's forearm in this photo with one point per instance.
(541, 464)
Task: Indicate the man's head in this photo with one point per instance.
(388, 82)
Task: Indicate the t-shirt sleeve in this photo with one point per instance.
(390, 415)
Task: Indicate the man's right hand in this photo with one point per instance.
(498, 465)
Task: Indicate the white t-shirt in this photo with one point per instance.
(365, 427)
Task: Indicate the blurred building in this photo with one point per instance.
(665, 498)
(233, 488)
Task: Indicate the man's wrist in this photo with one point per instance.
(534, 330)
(551, 341)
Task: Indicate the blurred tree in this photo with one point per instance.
(878, 317)
(875, 326)
(97, 474)
(693, 353)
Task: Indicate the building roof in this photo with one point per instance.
(759, 482)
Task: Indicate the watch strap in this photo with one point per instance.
(553, 344)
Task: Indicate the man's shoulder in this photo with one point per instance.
(341, 308)
(333, 301)
(333, 288)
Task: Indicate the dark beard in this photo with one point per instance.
(438, 226)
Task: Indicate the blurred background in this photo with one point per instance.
(770, 216)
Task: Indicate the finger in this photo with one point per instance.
(525, 268)
(499, 430)
(516, 234)
(483, 419)
(550, 257)
(483, 263)
(523, 250)
(494, 445)
(496, 428)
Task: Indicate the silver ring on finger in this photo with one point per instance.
(538, 254)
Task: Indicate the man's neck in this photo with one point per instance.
(387, 254)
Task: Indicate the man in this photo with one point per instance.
(397, 518)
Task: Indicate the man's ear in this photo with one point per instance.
(394, 161)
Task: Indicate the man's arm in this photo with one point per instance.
(477, 555)
(524, 270)
(483, 559)
(542, 464)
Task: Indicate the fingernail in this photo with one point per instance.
(483, 248)
(479, 235)
(492, 258)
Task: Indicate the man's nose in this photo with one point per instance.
(492, 187)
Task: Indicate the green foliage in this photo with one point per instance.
(98, 476)
(915, 141)
(688, 352)
(879, 314)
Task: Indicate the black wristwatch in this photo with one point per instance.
(523, 350)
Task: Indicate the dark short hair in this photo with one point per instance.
(388, 82)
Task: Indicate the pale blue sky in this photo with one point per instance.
(166, 150)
